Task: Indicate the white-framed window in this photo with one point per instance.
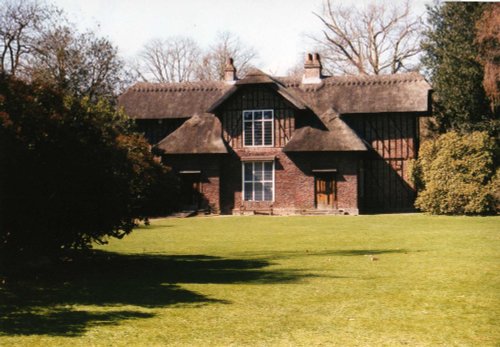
(258, 181)
(258, 128)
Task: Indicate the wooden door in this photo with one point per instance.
(325, 191)
(190, 191)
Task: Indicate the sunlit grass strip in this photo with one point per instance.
(367, 280)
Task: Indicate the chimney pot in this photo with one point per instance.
(229, 71)
(312, 69)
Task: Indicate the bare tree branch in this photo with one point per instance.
(170, 60)
(373, 40)
(227, 45)
(22, 22)
(179, 59)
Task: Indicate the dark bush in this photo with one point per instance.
(72, 172)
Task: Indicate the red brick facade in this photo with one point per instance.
(206, 170)
(221, 180)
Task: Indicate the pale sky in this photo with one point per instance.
(277, 29)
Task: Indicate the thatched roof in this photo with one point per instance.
(337, 137)
(363, 94)
(256, 76)
(171, 100)
(200, 134)
(346, 94)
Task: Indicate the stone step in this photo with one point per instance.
(315, 212)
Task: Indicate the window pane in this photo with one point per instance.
(257, 141)
(248, 191)
(257, 115)
(268, 171)
(248, 171)
(268, 133)
(258, 192)
(268, 191)
(247, 115)
(258, 171)
(268, 114)
(248, 134)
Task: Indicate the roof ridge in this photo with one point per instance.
(408, 77)
(179, 86)
(287, 81)
(374, 79)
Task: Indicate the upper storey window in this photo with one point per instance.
(258, 128)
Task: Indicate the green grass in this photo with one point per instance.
(270, 281)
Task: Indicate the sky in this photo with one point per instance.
(277, 29)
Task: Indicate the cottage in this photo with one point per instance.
(283, 145)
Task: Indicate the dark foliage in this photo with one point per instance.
(451, 59)
(72, 172)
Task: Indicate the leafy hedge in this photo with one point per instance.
(457, 174)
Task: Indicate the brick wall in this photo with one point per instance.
(346, 177)
(294, 180)
(221, 179)
(209, 167)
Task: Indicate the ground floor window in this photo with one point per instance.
(258, 181)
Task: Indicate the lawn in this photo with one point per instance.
(384, 280)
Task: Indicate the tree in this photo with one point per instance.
(38, 43)
(455, 174)
(21, 25)
(227, 46)
(451, 59)
(73, 172)
(488, 41)
(375, 40)
(174, 59)
(79, 63)
(179, 59)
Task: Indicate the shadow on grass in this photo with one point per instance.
(343, 253)
(61, 322)
(47, 302)
(357, 252)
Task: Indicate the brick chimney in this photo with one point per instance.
(312, 69)
(229, 71)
